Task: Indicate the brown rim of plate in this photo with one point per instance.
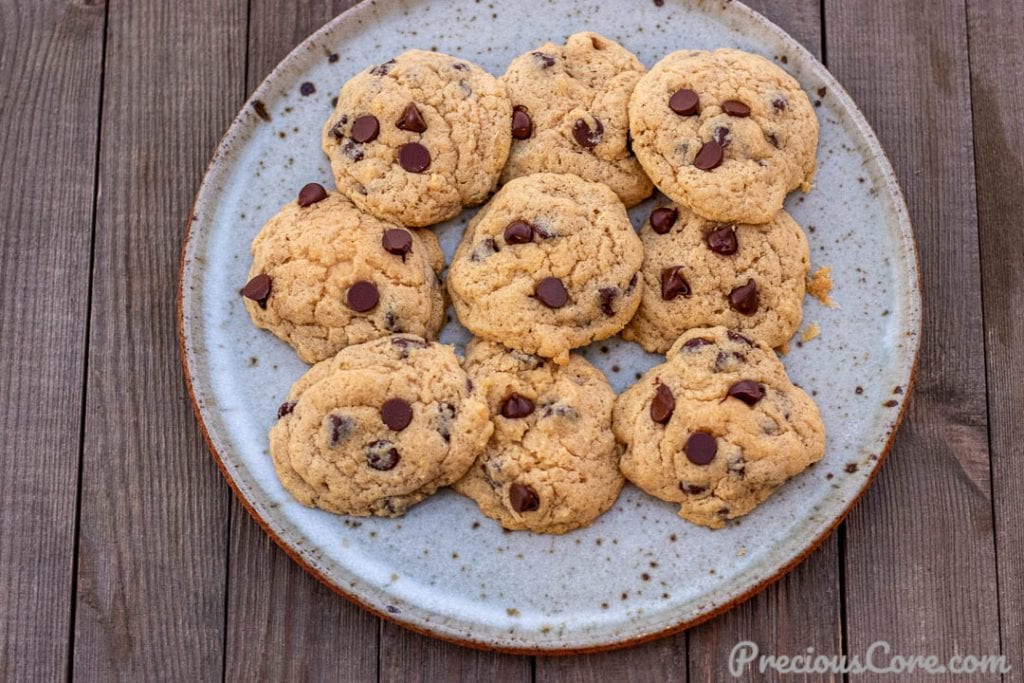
(889, 178)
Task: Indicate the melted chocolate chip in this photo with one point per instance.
(552, 293)
(522, 124)
(545, 60)
(258, 289)
(673, 284)
(484, 248)
(747, 390)
(516, 406)
(338, 429)
(414, 157)
(285, 408)
(391, 322)
(311, 193)
(365, 128)
(691, 489)
(779, 103)
(397, 241)
(736, 108)
(353, 151)
(662, 405)
(701, 448)
(396, 413)
(663, 218)
(518, 232)
(709, 157)
(407, 343)
(381, 455)
(586, 136)
(737, 337)
(382, 69)
(723, 241)
(722, 137)
(744, 298)
(523, 498)
(411, 120)
(684, 102)
(607, 295)
(362, 296)
(696, 343)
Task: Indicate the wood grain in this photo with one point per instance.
(997, 99)
(50, 65)
(153, 540)
(920, 561)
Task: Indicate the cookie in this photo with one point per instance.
(716, 428)
(569, 106)
(378, 428)
(701, 273)
(548, 265)
(724, 133)
(326, 275)
(415, 139)
(551, 464)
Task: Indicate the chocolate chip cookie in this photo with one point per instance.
(551, 464)
(548, 265)
(701, 273)
(326, 275)
(415, 139)
(724, 133)
(716, 428)
(378, 428)
(569, 114)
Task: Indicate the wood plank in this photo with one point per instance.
(153, 538)
(51, 57)
(997, 94)
(920, 562)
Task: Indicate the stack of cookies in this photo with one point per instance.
(573, 134)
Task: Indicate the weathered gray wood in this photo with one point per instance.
(50, 60)
(920, 562)
(997, 94)
(153, 538)
(407, 657)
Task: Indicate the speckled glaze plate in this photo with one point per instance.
(639, 571)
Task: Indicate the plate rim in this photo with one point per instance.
(857, 119)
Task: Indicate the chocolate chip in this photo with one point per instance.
(736, 108)
(381, 455)
(446, 414)
(382, 69)
(701, 448)
(365, 128)
(522, 124)
(285, 408)
(662, 405)
(552, 293)
(307, 89)
(586, 136)
(396, 413)
(737, 337)
(311, 194)
(339, 427)
(684, 102)
(779, 103)
(545, 60)
(709, 157)
(411, 120)
(773, 139)
(737, 465)
(523, 498)
(696, 343)
(363, 296)
(607, 295)
(744, 298)
(673, 284)
(518, 232)
(691, 489)
(663, 218)
(414, 157)
(353, 151)
(407, 343)
(721, 136)
(391, 322)
(747, 390)
(258, 289)
(484, 248)
(397, 241)
(460, 66)
(723, 241)
(516, 406)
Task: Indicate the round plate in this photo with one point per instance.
(639, 571)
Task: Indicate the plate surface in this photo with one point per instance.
(639, 571)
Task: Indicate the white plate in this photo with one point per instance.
(639, 571)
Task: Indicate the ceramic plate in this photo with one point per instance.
(639, 571)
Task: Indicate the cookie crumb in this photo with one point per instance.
(810, 332)
(819, 285)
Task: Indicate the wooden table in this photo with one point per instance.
(122, 551)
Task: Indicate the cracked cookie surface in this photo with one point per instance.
(716, 428)
(330, 280)
(415, 139)
(378, 428)
(725, 133)
(551, 464)
(548, 265)
(570, 115)
(697, 273)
